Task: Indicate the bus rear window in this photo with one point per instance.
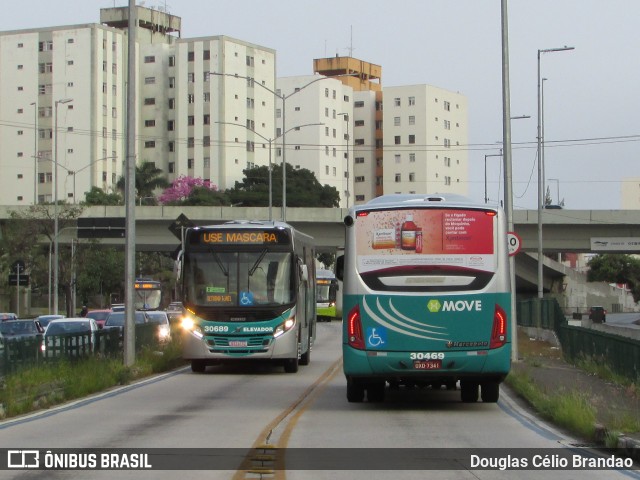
(426, 249)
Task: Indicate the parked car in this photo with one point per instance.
(20, 329)
(45, 319)
(162, 319)
(598, 314)
(8, 316)
(100, 316)
(70, 337)
(116, 320)
(175, 311)
(117, 307)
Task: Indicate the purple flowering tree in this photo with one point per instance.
(182, 187)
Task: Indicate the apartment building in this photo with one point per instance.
(425, 140)
(205, 106)
(312, 121)
(61, 96)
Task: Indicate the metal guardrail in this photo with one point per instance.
(19, 353)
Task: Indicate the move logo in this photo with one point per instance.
(434, 306)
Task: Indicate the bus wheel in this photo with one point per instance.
(376, 391)
(198, 366)
(468, 391)
(490, 392)
(355, 391)
(291, 365)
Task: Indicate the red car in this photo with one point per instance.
(99, 316)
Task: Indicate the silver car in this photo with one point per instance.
(69, 337)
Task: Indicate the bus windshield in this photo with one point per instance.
(243, 279)
(147, 298)
(325, 291)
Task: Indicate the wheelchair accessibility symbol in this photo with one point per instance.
(376, 337)
(246, 299)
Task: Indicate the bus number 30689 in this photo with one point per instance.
(426, 356)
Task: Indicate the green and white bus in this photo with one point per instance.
(326, 295)
(248, 288)
(427, 297)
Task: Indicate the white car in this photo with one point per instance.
(70, 337)
(162, 320)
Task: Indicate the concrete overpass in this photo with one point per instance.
(563, 230)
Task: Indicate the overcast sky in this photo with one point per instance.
(591, 97)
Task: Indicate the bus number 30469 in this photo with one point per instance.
(426, 356)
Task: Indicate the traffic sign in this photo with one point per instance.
(13, 280)
(515, 243)
(181, 224)
(18, 266)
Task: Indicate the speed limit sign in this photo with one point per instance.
(515, 243)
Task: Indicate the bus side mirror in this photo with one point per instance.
(340, 268)
(304, 273)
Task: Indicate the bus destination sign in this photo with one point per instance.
(253, 237)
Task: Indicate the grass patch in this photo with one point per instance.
(571, 410)
(48, 384)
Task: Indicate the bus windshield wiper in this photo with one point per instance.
(225, 272)
(255, 265)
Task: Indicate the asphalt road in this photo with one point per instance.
(244, 407)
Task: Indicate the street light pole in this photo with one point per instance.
(55, 205)
(35, 152)
(347, 119)
(541, 174)
(270, 140)
(486, 198)
(75, 172)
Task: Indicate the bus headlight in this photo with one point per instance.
(284, 327)
(187, 323)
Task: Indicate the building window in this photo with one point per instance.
(206, 54)
(447, 143)
(412, 157)
(172, 167)
(358, 104)
(172, 60)
(20, 154)
(191, 142)
(359, 141)
(412, 120)
(398, 177)
(191, 77)
(206, 97)
(206, 162)
(250, 61)
(172, 103)
(171, 146)
(396, 121)
(412, 101)
(447, 106)
(149, 123)
(191, 120)
(150, 144)
(412, 139)
(190, 163)
(396, 102)
(149, 80)
(149, 101)
(359, 123)
(359, 179)
(191, 56)
(206, 141)
(150, 59)
(20, 132)
(447, 125)
(114, 68)
(191, 98)
(397, 158)
(359, 198)
(396, 140)
(207, 119)
(250, 146)
(412, 177)
(359, 160)
(447, 180)
(172, 82)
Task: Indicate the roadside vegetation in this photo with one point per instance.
(565, 405)
(43, 386)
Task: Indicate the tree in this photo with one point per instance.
(29, 236)
(303, 189)
(97, 196)
(181, 189)
(616, 268)
(148, 179)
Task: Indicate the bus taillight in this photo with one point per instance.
(354, 329)
(499, 330)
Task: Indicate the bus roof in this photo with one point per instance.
(416, 200)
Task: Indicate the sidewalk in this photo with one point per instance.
(542, 361)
